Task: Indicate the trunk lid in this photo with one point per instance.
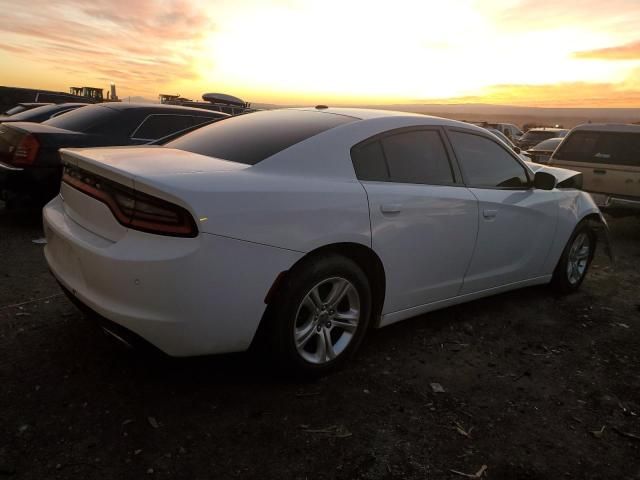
(126, 164)
(49, 140)
(164, 173)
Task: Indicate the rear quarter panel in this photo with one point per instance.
(286, 211)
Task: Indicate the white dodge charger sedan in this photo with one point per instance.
(308, 226)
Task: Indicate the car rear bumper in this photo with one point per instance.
(119, 332)
(185, 296)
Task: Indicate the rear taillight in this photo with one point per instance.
(131, 208)
(26, 151)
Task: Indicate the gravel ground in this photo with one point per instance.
(535, 387)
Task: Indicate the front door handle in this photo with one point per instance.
(600, 172)
(390, 208)
(489, 214)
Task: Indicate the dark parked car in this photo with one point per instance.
(42, 113)
(29, 158)
(11, 96)
(22, 107)
(542, 152)
(536, 135)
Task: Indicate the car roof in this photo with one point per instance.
(609, 127)
(373, 114)
(122, 106)
(359, 113)
(67, 104)
(547, 129)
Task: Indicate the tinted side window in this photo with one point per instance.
(158, 126)
(200, 120)
(417, 157)
(369, 162)
(601, 148)
(487, 164)
(629, 150)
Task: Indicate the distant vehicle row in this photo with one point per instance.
(607, 155)
(37, 112)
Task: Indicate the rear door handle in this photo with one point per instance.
(489, 214)
(600, 172)
(391, 208)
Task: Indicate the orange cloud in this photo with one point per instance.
(629, 51)
(573, 94)
(539, 15)
(145, 43)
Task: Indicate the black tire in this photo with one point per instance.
(562, 281)
(288, 311)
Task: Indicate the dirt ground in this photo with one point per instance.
(535, 387)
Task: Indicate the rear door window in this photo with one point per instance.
(416, 156)
(486, 164)
(369, 162)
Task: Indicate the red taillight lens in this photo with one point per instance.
(133, 209)
(26, 151)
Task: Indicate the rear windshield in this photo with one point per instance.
(601, 147)
(83, 119)
(539, 135)
(252, 137)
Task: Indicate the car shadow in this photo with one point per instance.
(20, 216)
(256, 367)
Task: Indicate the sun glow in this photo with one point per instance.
(331, 51)
(369, 51)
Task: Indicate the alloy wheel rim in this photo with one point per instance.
(326, 320)
(578, 258)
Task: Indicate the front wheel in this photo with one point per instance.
(575, 261)
(321, 315)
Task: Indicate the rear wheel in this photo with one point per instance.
(576, 258)
(321, 315)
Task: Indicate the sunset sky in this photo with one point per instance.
(519, 52)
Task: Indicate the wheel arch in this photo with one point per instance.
(365, 257)
(597, 222)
